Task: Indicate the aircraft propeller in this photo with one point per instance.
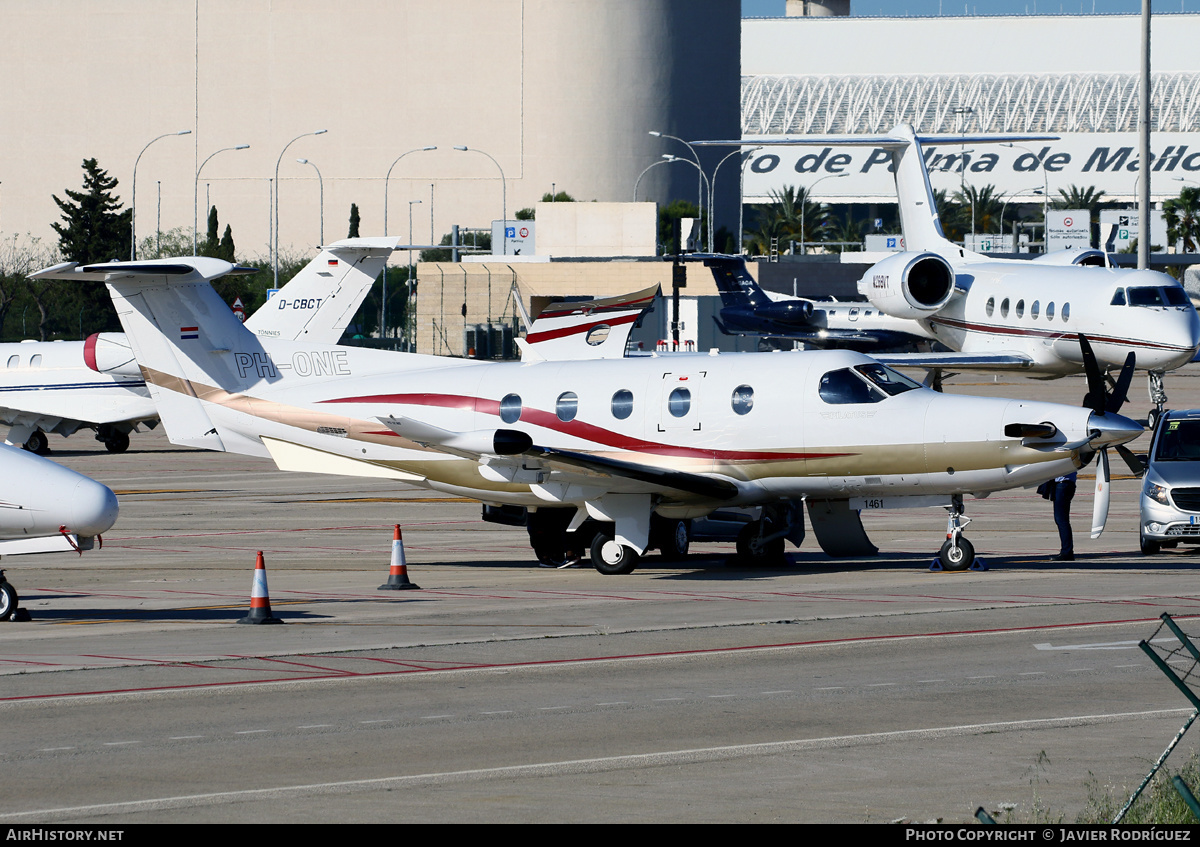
(1102, 402)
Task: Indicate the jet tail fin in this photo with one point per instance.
(177, 325)
(318, 303)
(734, 282)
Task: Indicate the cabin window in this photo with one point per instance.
(597, 335)
(1034, 310)
(567, 406)
(1004, 308)
(742, 400)
(1020, 308)
(622, 404)
(510, 408)
(1118, 297)
(679, 402)
(843, 387)
(1066, 312)
(990, 306)
(1050, 311)
(13, 361)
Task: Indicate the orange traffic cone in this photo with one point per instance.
(260, 600)
(398, 574)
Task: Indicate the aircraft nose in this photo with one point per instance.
(94, 508)
(1113, 429)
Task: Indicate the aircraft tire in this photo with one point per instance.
(1149, 548)
(9, 601)
(1152, 419)
(672, 539)
(119, 443)
(750, 555)
(38, 443)
(957, 558)
(612, 558)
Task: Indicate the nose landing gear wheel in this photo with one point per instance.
(38, 443)
(612, 558)
(957, 557)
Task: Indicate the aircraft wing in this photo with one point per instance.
(74, 412)
(958, 361)
(508, 453)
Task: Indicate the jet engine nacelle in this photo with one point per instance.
(908, 285)
(110, 353)
(1087, 257)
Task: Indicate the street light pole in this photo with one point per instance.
(275, 245)
(700, 185)
(671, 158)
(408, 281)
(803, 202)
(320, 183)
(503, 199)
(712, 205)
(133, 201)
(196, 194)
(638, 181)
(389, 176)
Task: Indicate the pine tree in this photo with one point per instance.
(210, 242)
(94, 229)
(353, 221)
(226, 250)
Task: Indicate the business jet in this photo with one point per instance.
(1011, 313)
(46, 508)
(748, 309)
(638, 445)
(64, 386)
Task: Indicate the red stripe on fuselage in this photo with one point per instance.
(582, 430)
(990, 329)
(576, 329)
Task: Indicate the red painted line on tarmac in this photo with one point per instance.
(589, 660)
(301, 665)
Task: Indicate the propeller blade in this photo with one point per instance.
(1120, 392)
(1097, 394)
(1135, 464)
(1100, 506)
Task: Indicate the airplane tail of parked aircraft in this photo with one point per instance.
(318, 303)
(735, 285)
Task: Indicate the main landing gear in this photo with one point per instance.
(1158, 396)
(10, 602)
(957, 554)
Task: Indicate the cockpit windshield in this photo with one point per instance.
(863, 384)
(1171, 295)
(1179, 442)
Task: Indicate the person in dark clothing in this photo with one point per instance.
(1061, 490)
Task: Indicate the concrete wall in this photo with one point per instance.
(597, 229)
(558, 93)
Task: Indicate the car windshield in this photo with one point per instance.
(1179, 442)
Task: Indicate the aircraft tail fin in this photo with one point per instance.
(177, 325)
(734, 282)
(319, 302)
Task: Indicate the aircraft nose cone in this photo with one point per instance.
(1113, 429)
(94, 507)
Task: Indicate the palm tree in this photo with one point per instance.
(981, 207)
(1182, 215)
(790, 216)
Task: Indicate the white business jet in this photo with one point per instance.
(1012, 313)
(63, 386)
(628, 443)
(46, 508)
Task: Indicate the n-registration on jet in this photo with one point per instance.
(1012, 313)
(64, 386)
(638, 445)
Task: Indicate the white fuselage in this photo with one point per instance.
(42, 499)
(1040, 311)
(795, 440)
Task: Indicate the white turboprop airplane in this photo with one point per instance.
(63, 386)
(1012, 313)
(46, 508)
(638, 445)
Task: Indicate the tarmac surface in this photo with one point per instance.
(861, 690)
